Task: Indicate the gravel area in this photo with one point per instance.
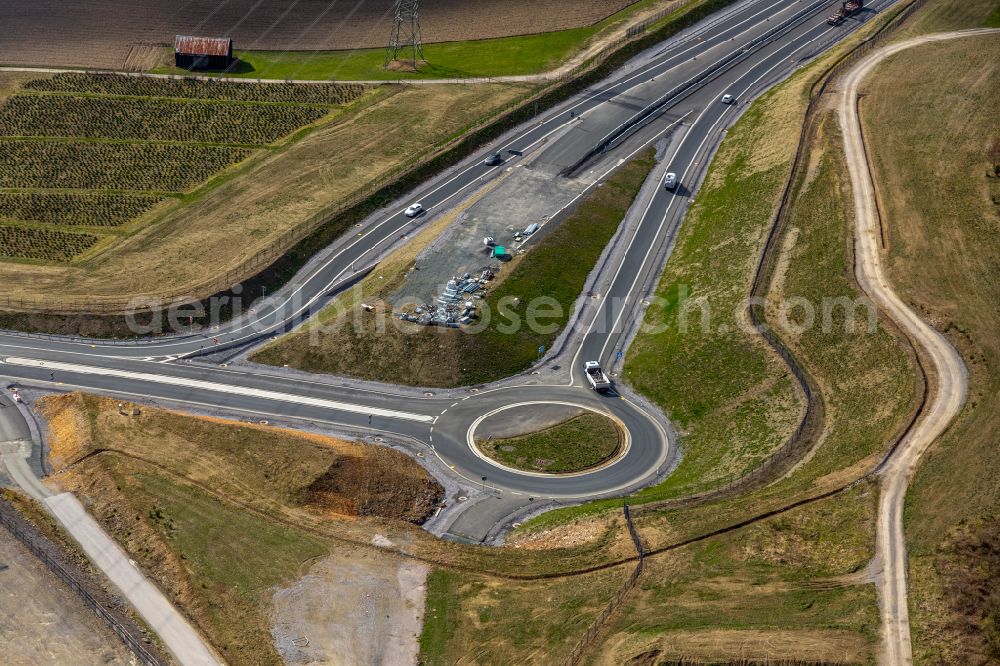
(361, 608)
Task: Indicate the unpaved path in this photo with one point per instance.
(943, 363)
(179, 637)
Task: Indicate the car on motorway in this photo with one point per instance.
(728, 99)
(670, 181)
(494, 159)
(414, 210)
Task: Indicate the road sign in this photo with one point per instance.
(621, 355)
(541, 350)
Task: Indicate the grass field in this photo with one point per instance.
(476, 619)
(940, 196)
(557, 268)
(81, 151)
(581, 442)
(953, 15)
(786, 588)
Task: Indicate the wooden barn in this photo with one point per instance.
(203, 52)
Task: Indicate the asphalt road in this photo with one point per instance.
(741, 52)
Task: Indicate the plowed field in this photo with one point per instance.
(101, 33)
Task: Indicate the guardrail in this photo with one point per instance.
(674, 95)
(595, 627)
(42, 549)
(393, 183)
(780, 461)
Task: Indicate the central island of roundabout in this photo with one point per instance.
(497, 434)
(549, 438)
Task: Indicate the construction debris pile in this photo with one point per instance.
(456, 305)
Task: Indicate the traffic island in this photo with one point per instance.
(550, 439)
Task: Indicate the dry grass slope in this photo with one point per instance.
(247, 208)
(941, 197)
(218, 513)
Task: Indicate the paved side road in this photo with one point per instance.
(949, 372)
(177, 635)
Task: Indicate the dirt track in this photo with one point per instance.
(949, 376)
(99, 33)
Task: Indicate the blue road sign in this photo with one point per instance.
(621, 355)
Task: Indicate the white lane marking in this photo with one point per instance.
(639, 272)
(54, 366)
(470, 439)
(376, 225)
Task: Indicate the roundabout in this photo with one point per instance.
(643, 453)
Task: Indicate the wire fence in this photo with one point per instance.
(46, 551)
(391, 184)
(595, 627)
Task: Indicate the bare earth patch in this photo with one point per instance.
(42, 621)
(361, 609)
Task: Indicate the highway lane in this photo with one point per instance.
(561, 137)
(608, 324)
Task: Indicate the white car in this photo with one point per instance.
(728, 99)
(670, 181)
(414, 210)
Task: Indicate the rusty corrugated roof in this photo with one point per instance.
(213, 46)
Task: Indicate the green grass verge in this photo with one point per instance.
(582, 442)
(557, 269)
(732, 400)
(509, 56)
(504, 56)
(441, 615)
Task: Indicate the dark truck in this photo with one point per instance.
(846, 9)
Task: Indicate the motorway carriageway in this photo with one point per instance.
(156, 369)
